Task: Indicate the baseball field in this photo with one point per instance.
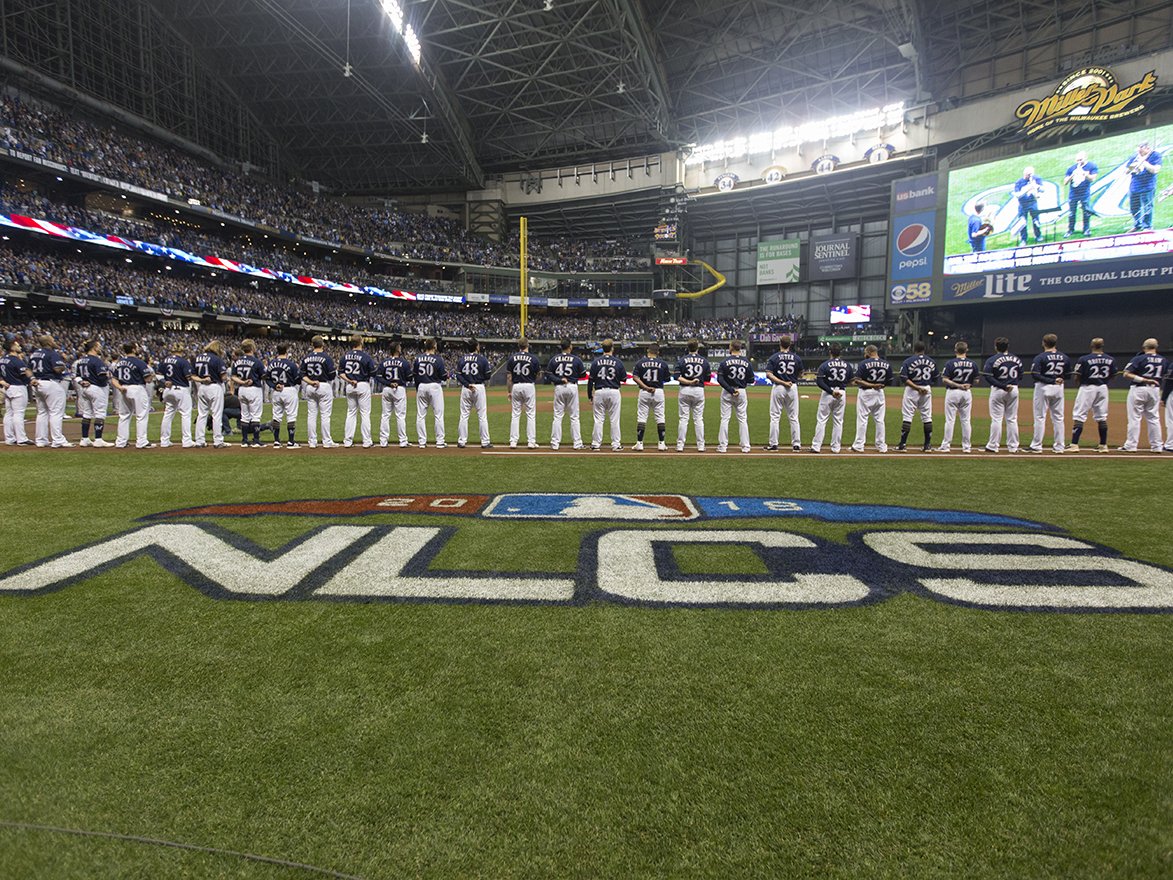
(488, 664)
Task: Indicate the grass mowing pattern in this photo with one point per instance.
(908, 738)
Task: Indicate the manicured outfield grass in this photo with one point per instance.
(907, 738)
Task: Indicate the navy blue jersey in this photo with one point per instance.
(93, 369)
(786, 365)
(12, 370)
(394, 370)
(566, 368)
(523, 367)
(735, 373)
(961, 370)
(1148, 366)
(44, 362)
(357, 365)
(130, 370)
(834, 374)
(607, 371)
(209, 366)
(695, 367)
(652, 371)
(429, 368)
(919, 369)
(249, 367)
(1003, 370)
(874, 370)
(175, 369)
(473, 369)
(1051, 367)
(282, 371)
(1096, 368)
(319, 366)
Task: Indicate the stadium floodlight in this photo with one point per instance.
(411, 39)
(792, 136)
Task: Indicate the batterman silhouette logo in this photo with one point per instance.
(980, 560)
(1088, 95)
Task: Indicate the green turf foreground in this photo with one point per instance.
(907, 738)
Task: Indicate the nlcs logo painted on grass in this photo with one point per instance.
(1023, 566)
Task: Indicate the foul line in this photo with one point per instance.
(655, 454)
(173, 844)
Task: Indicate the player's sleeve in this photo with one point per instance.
(821, 378)
(723, 379)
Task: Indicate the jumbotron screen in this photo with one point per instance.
(851, 314)
(1104, 202)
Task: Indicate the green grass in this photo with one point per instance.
(904, 739)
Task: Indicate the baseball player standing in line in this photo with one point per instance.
(734, 375)
(357, 369)
(1146, 371)
(650, 374)
(521, 371)
(317, 376)
(783, 369)
(208, 375)
(1094, 371)
(14, 379)
(1166, 396)
(692, 372)
(607, 374)
(175, 372)
(1050, 370)
(48, 367)
(472, 373)
(832, 377)
(959, 376)
(394, 374)
(919, 372)
(1003, 372)
(565, 370)
(248, 376)
(872, 376)
(284, 378)
(430, 373)
(93, 393)
(129, 376)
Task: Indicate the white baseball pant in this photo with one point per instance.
(831, 409)
(136, 407)
(319, 404)
(16, 401)
(605, 407)
(473, 397)
(92, 402)
(1003, 405)
(176, 399)
(915, 403)
(394, 400)
(210, 402)
(521, 397)
(691, 407)
(650, 403)
(50, 399)
(358, 407)
(285, 406)
(429, 395)
(1169, 424)
(252, 403)
(566, 403)
(784, 400)
(870, 403)
(729, 404)
(958, 407)
(1144, 404)
(1048, 401)
(1093, 399)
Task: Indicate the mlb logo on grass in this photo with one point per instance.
(911, 254)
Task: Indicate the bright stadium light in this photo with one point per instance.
(394, 12)
(793, 136)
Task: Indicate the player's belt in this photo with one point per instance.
(523, 382)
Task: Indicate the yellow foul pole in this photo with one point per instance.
(524, 274)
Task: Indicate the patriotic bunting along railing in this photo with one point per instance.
(73, 233)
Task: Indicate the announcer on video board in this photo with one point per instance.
(1027, 190)
(1079, 179)
(1144, 167)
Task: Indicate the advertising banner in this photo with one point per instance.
(834, 255)
(778, 261)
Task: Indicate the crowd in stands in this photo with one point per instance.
(47, 132)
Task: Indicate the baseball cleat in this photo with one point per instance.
(594, 447)
(721, 449)
(700, 448)
(639, 446)
(531, 446)
(86, 441)
(616, 448)
(771, 447)
(815, 450)
(292, 445)
(423, 446)
(441, 445)
(145, 446)
(662, 446)
(1057, 451)
(578, 446)
(64, 445)
(460, 446)
(490, 446)
(680, 448)
(1072, 448)
(1103, 447)
(364, 446)
(796, 448)
(554, 447)
(403, 444)
(745, 449)
(902, 448)
(512, 444)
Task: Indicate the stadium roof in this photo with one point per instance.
(523, 84)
